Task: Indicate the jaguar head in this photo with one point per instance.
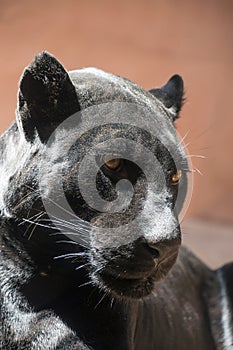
(99, 175)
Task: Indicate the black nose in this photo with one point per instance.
(163, 249)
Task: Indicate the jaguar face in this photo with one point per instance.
(138, 245)
(104, 170)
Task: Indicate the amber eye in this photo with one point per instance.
(176, 177)
(112, 164)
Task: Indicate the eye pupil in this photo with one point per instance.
(176, 177)
(112, 164)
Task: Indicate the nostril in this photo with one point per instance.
(153, 251)
(164, 250)
(160, 250)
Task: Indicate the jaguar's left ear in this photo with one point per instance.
(171, 95)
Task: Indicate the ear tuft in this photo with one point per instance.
(171, 95)
(46, 97)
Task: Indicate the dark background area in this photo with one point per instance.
(147, 42)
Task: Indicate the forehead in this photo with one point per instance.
(113, 107)
(95, 86)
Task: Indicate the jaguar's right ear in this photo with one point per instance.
(171, 95)
(46, 97)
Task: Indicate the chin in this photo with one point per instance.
(132, 287)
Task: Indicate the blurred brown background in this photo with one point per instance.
(147, 42)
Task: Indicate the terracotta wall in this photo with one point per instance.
(146, 41)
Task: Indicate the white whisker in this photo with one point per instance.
(82, 266)
(85, 284)
(195, 156)
(38, 224)
(68, 242)
(104, 296)
(198, 171)
(59, 206)
(184, 137)
(112, 301)
(68, 255)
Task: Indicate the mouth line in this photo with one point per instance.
(168, 258)
(128, 278)
(125, 275)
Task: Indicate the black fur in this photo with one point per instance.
(171, 95)
(46, 97)
(115, 291)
